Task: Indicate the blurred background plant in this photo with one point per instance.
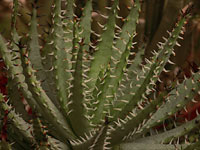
(156, 17)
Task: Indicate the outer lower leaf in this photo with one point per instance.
(178, 98)
(20, 128)
(175, 133)
(165, 110)
(52, 114)
(43, 105)
(144, 146)
(15, 73)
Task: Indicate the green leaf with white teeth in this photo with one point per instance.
(83, 90)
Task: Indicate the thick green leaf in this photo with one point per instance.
(176, 100)
(173, 134)
(144, 146)
(104, 48)
(146, 79)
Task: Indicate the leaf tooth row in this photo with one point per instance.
(127, 83)
(20, 126)
(22, 131)
(135, 120)
(175, 97)
(170, 135)
(80, 67)
(40, 133)
(60, 57)
(155, 69)
(34, 48)
(89, 139)
(115, 77)
(101, 45)
(41, 98)
(112, 68)
(106, 35)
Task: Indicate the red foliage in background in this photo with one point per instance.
(3, 82)
(3, 78)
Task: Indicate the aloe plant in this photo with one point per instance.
(81, 94)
